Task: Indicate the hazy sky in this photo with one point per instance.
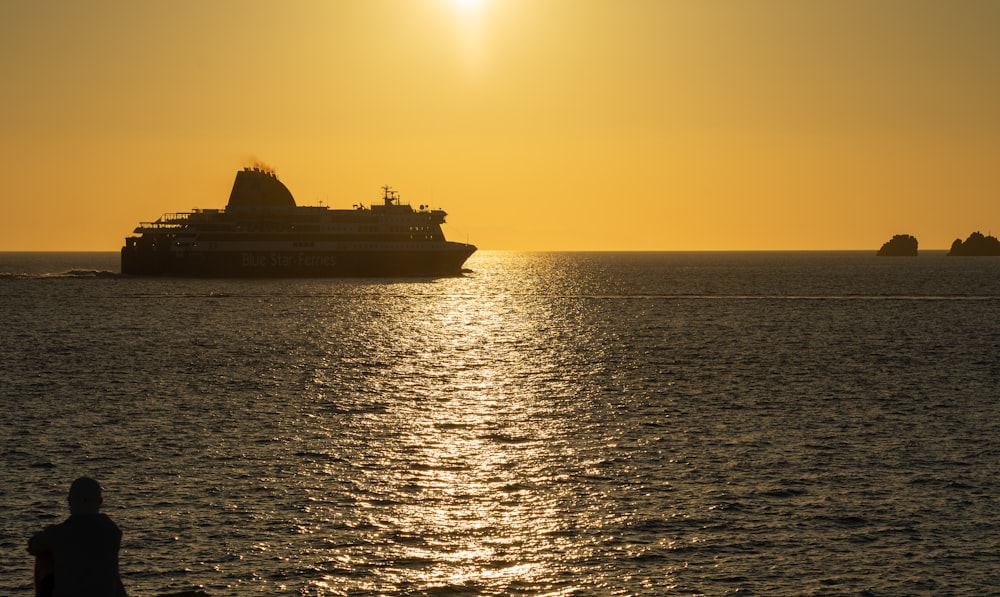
(537, 124)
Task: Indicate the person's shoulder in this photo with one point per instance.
(44, 539)
(54, 528)
(110, 524)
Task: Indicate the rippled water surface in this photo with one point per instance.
(549, 424)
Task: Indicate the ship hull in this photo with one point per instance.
(445, 261)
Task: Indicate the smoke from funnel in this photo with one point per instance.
(256, 164)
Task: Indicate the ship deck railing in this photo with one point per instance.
(166, 222)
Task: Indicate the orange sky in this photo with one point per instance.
(537, 124)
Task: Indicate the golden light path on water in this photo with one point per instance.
(470, 459)
(473, 495)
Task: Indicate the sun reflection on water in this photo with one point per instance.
(472, 496)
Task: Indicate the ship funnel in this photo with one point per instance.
(259, 188)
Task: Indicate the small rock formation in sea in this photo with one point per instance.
(977, 245)
(901, 245)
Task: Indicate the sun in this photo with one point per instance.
(468, 3)
(469, 17)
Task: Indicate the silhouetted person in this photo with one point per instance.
(79, 557)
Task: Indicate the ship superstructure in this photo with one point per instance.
(263, 233)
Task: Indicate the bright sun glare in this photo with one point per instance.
(469, 19)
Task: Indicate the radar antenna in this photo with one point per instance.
(389, 195)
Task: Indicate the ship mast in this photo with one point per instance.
(389, 195)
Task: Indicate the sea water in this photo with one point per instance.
(547, 424)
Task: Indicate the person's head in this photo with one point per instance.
(85, 496)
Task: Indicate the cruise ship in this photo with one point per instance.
(263, 233)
